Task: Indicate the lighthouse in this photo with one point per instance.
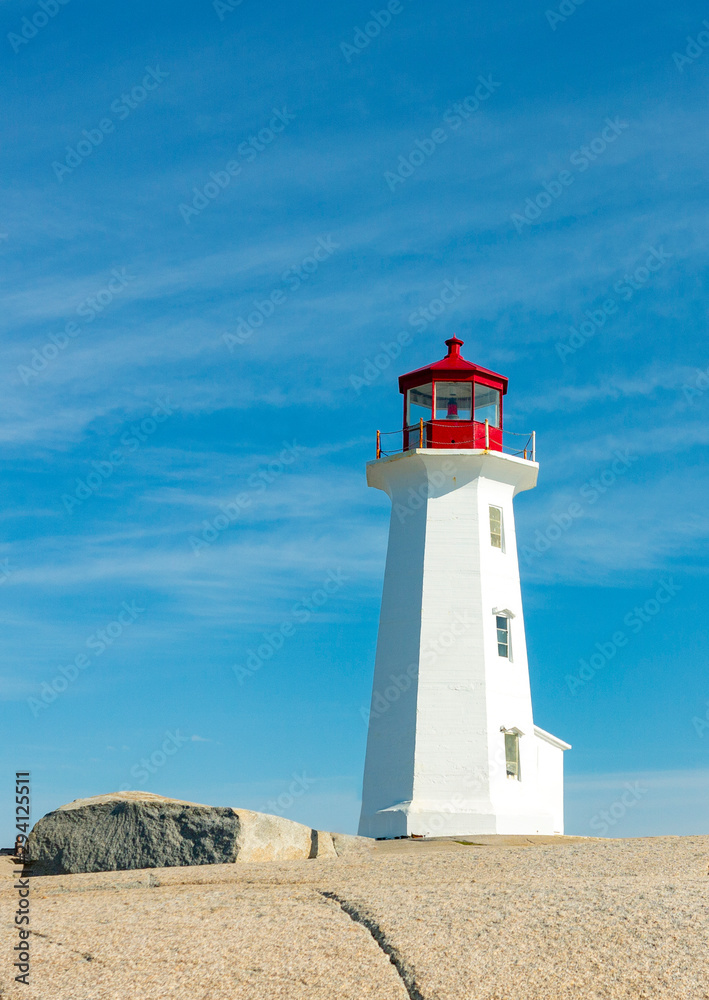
(452, 748)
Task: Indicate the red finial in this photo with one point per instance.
(454, 345)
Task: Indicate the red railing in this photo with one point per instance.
(422, 435)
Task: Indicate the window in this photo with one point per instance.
(487, 405)
(496, 527)
(418, 403)
(503, 635)
(512, 755)
(454, 400)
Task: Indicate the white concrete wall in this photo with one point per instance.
(550, 776)
(389, 768)
(435, 754)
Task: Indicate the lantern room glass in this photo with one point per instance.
(454, 400)
(487, 405)
(419, 403)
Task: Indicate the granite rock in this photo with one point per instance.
(129, 830)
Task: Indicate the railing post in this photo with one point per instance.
(379, 444)
(534, 446)
(421, 432)
(487, 435)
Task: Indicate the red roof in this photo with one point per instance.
(453, 366)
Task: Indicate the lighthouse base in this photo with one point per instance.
(406, 819)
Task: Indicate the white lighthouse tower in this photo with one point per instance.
(452, 748)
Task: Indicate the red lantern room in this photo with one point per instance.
(453, 404)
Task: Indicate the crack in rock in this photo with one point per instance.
(60, 944)
(406, 974)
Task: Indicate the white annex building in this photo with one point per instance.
(452, 747)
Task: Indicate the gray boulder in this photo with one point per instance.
(347, 845)
(125, 830)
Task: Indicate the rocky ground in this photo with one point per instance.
(524, 919)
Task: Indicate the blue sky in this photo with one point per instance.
(131, 359)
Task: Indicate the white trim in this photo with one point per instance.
(548, 738)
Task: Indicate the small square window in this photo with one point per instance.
(496, 527)
(512, 756)
(503, 635)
